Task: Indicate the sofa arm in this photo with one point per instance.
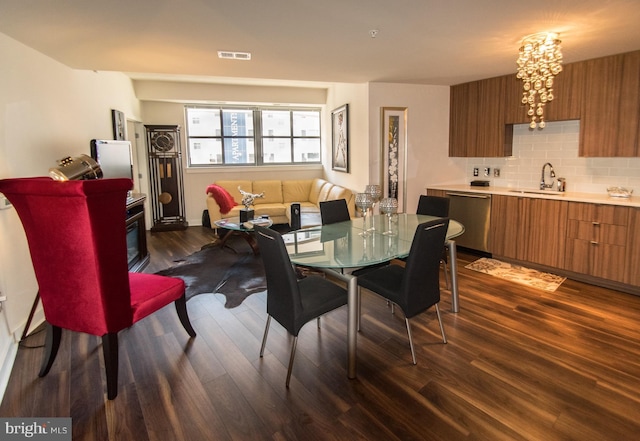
(214, 210)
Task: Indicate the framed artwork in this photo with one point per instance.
(119, 123)
(340, 139)
(394, 148)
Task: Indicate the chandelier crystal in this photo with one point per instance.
(539, 62)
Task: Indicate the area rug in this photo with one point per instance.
(518, 274)
(233, 271)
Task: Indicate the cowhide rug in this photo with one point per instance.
(233, 271)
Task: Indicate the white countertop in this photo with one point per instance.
(593, 198)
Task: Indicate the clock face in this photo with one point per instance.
(162, 141)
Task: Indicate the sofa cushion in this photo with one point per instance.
(272, 210)
(272, 192)
(296, 190)
(314, 193)
(324, 192)
(338, 192)
(232, 187)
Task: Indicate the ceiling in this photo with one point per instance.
(438, 42)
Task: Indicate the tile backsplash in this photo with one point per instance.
(557, 143)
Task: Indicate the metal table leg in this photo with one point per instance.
(453, 268)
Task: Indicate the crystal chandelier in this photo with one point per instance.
(539, 62)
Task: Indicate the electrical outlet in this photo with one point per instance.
(475, 171)
(487, 170)
(496, 172)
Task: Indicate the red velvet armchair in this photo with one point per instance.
(76, 235)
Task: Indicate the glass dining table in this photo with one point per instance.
(348, 245)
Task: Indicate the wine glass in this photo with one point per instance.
(376, 193)
(364, 202)
(389, 207)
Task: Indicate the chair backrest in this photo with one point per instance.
(77, 239)
(433, 206)
(420, 287)
(283, 296)
(334, 211)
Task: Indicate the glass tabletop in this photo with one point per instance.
(340, 245)
(233, 223)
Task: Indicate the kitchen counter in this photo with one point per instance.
(593, 198)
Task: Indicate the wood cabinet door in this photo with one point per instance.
(476, 122)
(610, 116)
(505, 236)
(546, 231)
(568, 90)
(632, 272)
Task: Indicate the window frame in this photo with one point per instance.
(258, 137)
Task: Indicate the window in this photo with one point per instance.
(252, 136)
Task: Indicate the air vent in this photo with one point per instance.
(229, 55)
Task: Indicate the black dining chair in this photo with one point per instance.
(334, 211)
(436, 206)
(293, 302)
(416, 286)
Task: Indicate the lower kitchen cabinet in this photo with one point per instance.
(632, 274)
(529, 229)
(596, 241)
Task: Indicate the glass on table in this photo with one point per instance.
(389, 207)
(376, 193)
(364, 202)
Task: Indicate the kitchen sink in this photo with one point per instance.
(537, 191)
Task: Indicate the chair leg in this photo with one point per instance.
(51, 346)
(293, 354)
(413, 353)
(444, 338)
(446, 274)
(181, 309)
(264, 337)
(110, 352)
(359, 307)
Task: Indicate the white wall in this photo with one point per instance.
(427, 135)
(48, 111)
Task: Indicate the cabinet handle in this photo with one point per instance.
(595, 224)
(593, 242)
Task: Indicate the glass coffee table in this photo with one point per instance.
(244, 230)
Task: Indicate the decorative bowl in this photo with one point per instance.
(619, 192)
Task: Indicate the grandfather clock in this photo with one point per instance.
(165, 174)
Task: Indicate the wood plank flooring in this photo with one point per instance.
(521, 364)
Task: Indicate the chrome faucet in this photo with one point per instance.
(543, 184)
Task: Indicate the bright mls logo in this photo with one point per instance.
(43, 429)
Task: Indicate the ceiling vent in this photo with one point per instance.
(229, 55)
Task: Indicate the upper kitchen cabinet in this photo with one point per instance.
(610, 117)
(476, 126)
(567, 97)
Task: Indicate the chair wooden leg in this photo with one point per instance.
(181, 309)
(444, 338)
(264, 337)
(293, 354)
(413, 353)
(110, 352)
(51, 346)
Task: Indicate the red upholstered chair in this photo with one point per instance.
(76, 235)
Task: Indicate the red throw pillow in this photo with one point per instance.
(223, 198)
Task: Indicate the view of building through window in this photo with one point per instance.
(252, 136)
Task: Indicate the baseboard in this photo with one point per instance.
(8, 358)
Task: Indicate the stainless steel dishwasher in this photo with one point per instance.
(472, 210)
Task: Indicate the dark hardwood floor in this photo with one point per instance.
(521, 364)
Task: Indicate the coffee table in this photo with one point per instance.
(244, 230)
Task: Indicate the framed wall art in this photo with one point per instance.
(340, 139)
(119, 122)
(394, 148)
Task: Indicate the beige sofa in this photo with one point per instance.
(278, 197)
